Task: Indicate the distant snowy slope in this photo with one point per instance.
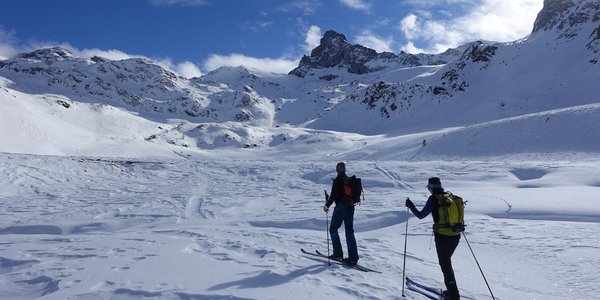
(55, 125)
(573, 129)
(555, 67)
(340, 87)
(134, 84)
(555, 133)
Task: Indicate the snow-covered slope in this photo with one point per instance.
(340, 87)
(554, 67)
(120, 180)
(55, 125)
(232, 228)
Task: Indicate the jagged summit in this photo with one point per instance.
(227, 74)
(47, 54)
(334, 50)
(341, 86)
(566, 20)
(566, 15)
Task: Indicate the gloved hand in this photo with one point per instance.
(325, 208)
(409, 203)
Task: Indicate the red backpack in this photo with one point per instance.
(353, 190)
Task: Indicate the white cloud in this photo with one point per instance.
(305, 7)
(6, 51)
(411, 48)
(262, 65)
(186, 69)
(178, 2)
(503, 20)
(493, 20)
(109, 54)
(377, 43)
(7, 42)
(357, 4)
(256, 26)
(409, 26)
(313, 38)
(437, 3)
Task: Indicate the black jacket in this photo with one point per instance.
(337, 189)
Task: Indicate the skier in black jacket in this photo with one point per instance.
(342, 213)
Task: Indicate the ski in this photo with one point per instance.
(436, 293)
(342, 262)
(357, 266)
(423, 292)
(410, 282)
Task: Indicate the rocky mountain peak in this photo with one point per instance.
(331, 40)
(333, 36)
(333, 51)
(47, 54)
(566, 15)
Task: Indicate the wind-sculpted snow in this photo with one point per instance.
(31, 229)
(231, 227)
(10, 265)
(40, 286)
(363, 222)
(529, 173)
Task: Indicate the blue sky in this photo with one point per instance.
(193, 37)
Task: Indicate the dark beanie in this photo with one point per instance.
(434, 183)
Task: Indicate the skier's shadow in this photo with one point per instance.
(269, 278)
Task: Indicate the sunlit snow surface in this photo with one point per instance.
(231, 228)
(102, 197)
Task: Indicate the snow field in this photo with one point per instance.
(78, 228)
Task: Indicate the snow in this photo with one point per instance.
(119, 180)
(92, 209)
(231, 228)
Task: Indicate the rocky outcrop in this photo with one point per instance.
(335, 51)
(566, 17)
(135, 83)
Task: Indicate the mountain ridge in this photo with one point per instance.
(340, 87)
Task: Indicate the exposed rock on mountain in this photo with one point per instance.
(340, 86)
(136, 84)
(568, 17)
(335, 51)
(566, 14)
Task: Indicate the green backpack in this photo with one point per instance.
(451, 211)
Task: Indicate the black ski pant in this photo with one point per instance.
(445, 246)
(343, 213)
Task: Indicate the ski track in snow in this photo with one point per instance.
(78, 228)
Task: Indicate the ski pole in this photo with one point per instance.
(327, 228)
(405, 242)
(480, 270)
(431, 240)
